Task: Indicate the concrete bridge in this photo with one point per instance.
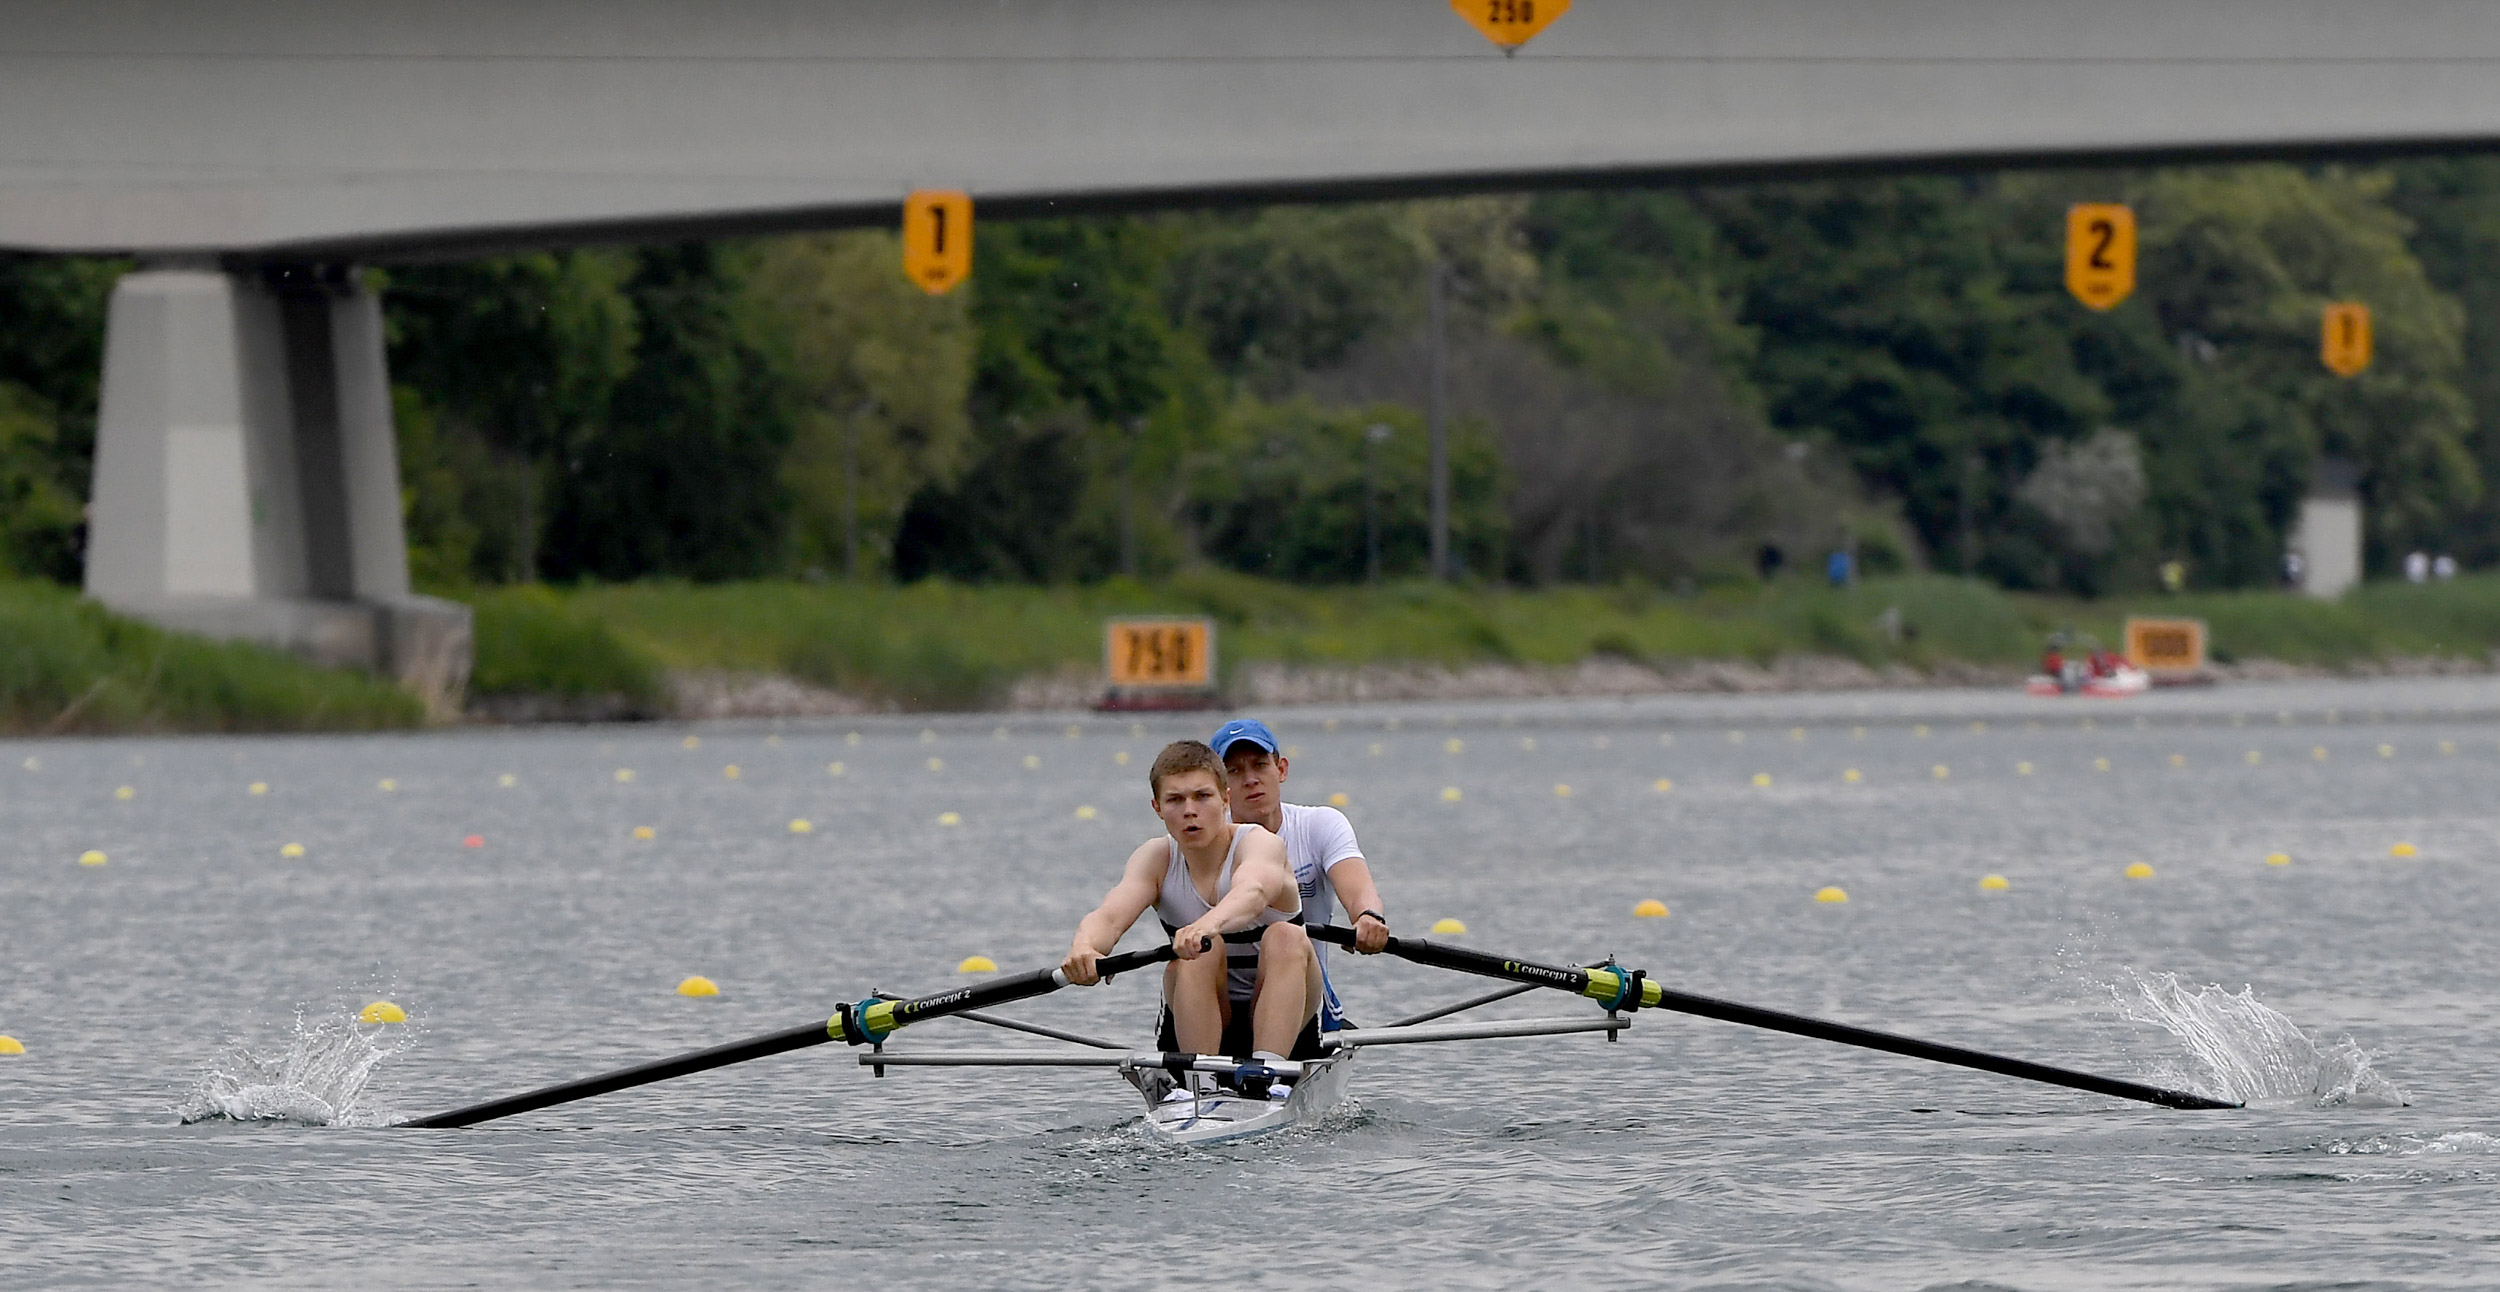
(250, 152)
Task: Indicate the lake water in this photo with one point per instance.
(200, 973)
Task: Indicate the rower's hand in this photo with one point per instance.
(1371, 934)
(1197, 939)
(1079, 966)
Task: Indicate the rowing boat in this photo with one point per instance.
(1223, 1099)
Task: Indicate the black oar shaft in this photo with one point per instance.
(1603, 984)
(625, 1079)
(864, 1026)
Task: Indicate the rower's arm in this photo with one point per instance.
(1102, 928)
(1262, 878)
(1352, 878)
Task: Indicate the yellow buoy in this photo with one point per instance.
(11, 1045)
(1451, 795)
(2387, 751)
(1662, 785)
(950, 818)
(1338, 799)
(977, 964)
(125, 793)
(2318, 753)
(1853, 776)
(1453, 745)
(1085, 813)
(1562, 791)
(2139, 871)
(731, 771)
(850, 737)
(1762, 780)
(1032, 762)
(386, 785)
(694, 742)
(1446, 925)
(937, 764)
(835, 769)
(1830, 896)
(2447, 746)
(645, 832)
(1943, 771)
(698, 986)
(2022, 769)
(801, 825)
(1920, 731)
(1528, 743)
(507, 780)
(382, 1011)
(624, 774)
(1796, 733)
(2278, 859)
(2100, 764)
(260, 787)
(1994, 883)
(1120, 758)
(2255, 758)
(2178, 760)
(1979, 728)
(291, 851)
(1651, 908)
(91, 857)
(2404, 850)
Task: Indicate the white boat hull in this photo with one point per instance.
(1221, 1117)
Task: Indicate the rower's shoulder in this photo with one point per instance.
(1310, 815)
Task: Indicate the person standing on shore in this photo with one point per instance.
(1328, 865)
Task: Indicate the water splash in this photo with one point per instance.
(320, 1079)
(2458, 1143)
(2241, 1049)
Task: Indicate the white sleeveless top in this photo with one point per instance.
(1178, 905)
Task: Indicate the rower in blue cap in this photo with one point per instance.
(1328, 864)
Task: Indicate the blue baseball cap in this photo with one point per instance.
(1241, 729)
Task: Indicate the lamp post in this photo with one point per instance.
(1373, 437)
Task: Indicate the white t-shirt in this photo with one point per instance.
(1316, 839)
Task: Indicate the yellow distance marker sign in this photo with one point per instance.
(937, 239)
(1159, 654)
(2344, 338)
(2100, 253)
(2166, 645)
(1510, 23)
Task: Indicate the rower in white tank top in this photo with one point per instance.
(1179, 904)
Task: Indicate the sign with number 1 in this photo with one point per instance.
(2100, 253)
(2344, 338)
(937, 239)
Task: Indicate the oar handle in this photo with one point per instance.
(1615, 989)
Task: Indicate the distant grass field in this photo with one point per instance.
(68, 665)
(937, 645)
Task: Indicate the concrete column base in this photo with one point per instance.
(247, 474)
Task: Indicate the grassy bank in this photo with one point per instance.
(940, 645)
(67, 665)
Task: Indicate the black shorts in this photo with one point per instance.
(1237, 1042)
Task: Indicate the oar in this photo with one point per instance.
(1611, 987)
(867, 1023)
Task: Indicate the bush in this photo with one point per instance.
(530, 642)
(67, 664)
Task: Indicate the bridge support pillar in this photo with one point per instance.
(247, 475)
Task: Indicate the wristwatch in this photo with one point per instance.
(1384, 920)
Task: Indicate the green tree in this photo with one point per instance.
(684, 478)
(875, 374)
(2244, 259)
(503, 369)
